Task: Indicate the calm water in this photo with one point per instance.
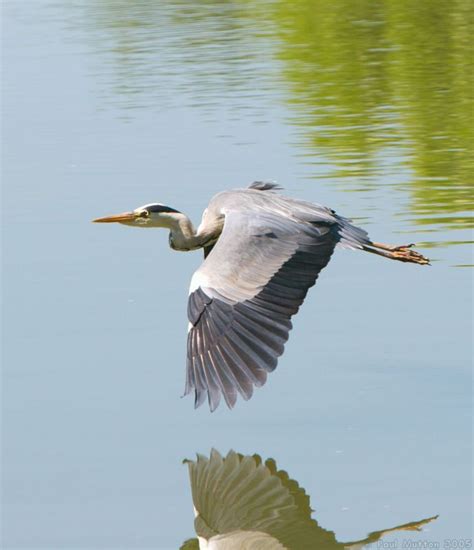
(364, 106)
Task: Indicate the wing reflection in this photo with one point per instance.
(241, 502)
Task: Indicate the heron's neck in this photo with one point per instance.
(183, 236)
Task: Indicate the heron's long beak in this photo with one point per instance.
(123, 217)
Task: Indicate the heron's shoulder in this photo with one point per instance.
(259, 191)
(248, 200)
(234, 198)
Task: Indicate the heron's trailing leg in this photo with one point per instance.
(402, 253)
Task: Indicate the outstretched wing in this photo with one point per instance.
(243, 297)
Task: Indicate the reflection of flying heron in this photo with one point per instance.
(262, 253)
(241, 502)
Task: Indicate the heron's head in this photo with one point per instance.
(149, 215)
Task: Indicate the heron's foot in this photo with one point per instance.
(402, 253)
(406, 254)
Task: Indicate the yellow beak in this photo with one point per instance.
(123, 217)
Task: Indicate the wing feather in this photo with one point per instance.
(243, 297)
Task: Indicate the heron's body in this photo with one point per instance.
(263, 252)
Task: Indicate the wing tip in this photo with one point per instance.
(214, 402)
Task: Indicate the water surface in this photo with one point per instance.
(365, 107)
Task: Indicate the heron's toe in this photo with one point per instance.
(406, 254)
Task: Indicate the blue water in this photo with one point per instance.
(107, 106)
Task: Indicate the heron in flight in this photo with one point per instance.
(241, 501)
(262, 251)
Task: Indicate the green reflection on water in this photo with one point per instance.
(370, 78)
(242, 502)
(374, 88)
(177, 52)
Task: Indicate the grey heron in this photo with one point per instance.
(243, 502)
(263, 251)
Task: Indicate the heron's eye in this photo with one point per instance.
(144, 214)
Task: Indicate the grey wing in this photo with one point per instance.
(243, 297)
